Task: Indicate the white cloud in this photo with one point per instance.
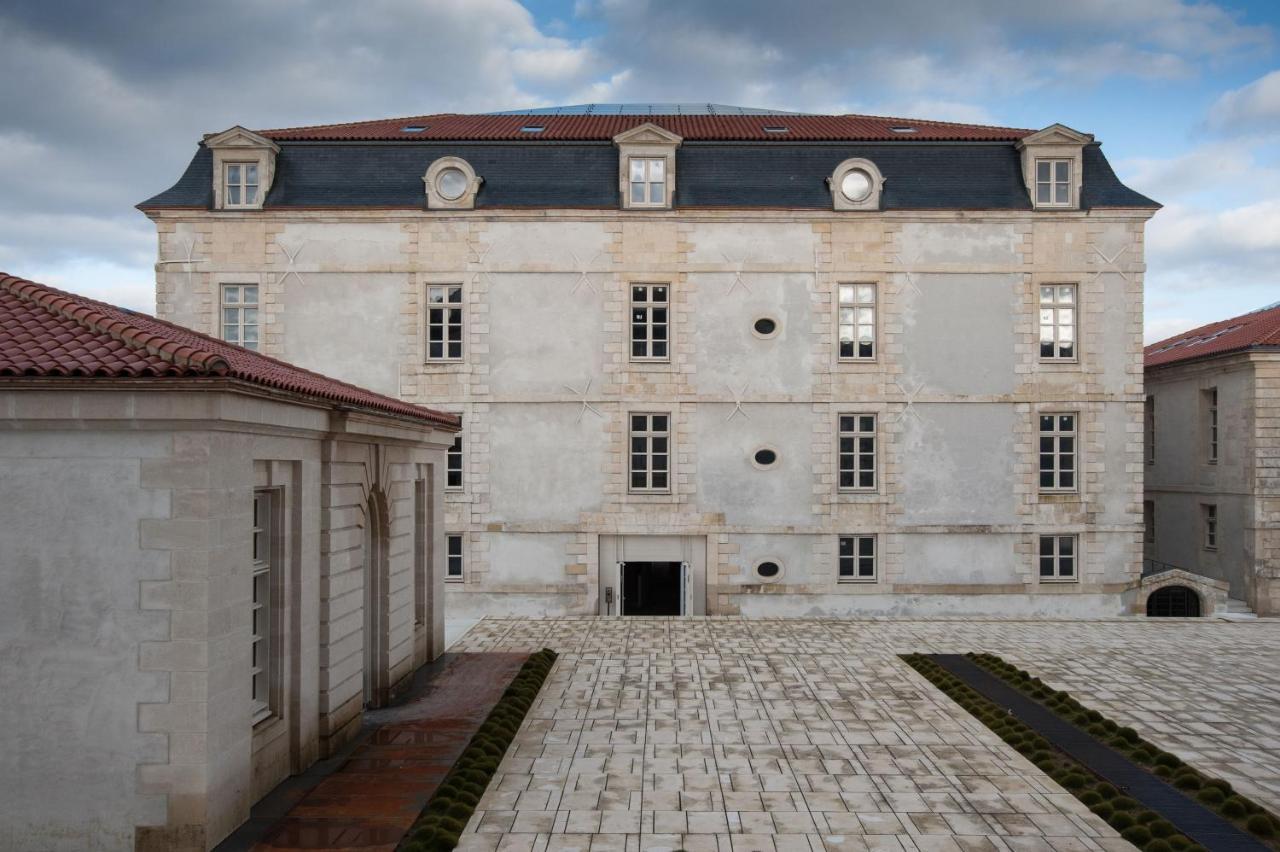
(1255, 107)
(1159, 329)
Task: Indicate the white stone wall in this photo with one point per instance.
(128, 586)
(547, 382)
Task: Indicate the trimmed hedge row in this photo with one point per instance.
(1214, 793)
(1141, 826)
(446, 814)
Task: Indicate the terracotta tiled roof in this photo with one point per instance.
(46, 332)
(1257, 330)
(564, 128)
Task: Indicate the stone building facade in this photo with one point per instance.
(1213, 456)
(846, 410)
(213, 562)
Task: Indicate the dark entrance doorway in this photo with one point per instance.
(651, 588)
(1173, 602)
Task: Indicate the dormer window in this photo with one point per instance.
(856, 185)
(1053, 183)
(648, 182)
(241, 184)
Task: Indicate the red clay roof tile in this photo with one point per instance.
(597, 128)
(46, 332)
(1256, 330)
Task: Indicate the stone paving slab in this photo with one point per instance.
(729, 734)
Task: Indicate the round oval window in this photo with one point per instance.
(856, 185)
(766, 457)
(765, 326)
(451, 183)
(768, 570)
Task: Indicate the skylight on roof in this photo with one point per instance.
(532, 128)
(413, 128)
(777, 129)
(904, 129)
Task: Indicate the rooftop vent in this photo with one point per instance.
(903, 129)
(776, 129)
(532, 128)
(413, 128)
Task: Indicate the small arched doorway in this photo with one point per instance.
(377, 534)
(1173, 602)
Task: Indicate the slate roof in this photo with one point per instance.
(602, 128)
(50, 333)
(1258, 329)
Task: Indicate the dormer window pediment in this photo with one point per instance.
(647, 167)
(244, 166)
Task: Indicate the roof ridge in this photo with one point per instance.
(97, 316)
(933, 121)
(362, 121)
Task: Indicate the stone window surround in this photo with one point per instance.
(1051, 165)
(239, 307)
(1057, 434)
(238, 145)
(776, 578)
(838, 199)
(648, 324)
(460, 556)
(427, 286)
(1055, 306)
(217, 280)
(650, 433)
(436, 201)
(457, 451)
(1055, 142)
(646, 141)
(1211, 424)
(250, 191)
(269, 568)
(874, 304)
(1209, 524)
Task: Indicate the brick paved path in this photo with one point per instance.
(375, 796)
(733, 735)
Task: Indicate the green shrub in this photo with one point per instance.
(1146, 816)
(1161, 828)
(1233, 808)
(1189, 782)
(1090, 798)
(1124, 803)
(1120, 820)
(1158, 845)
(1221, 785)
(1128, 734)
(1169, 760)
(1103, 810)
(1261, 825)
(1163, 772)
(1179, 843)
(1210, 796)
(1136, 834)
(1074, 781)
(1106, 791)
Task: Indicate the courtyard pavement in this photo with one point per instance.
(735, 735)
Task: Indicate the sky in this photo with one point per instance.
(103, 103)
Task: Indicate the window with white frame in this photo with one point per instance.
(240, 185)
(1211, 425)
(453, 465)
(857, 321)
(453, 557)
(1058, 322)
(857, 559)
(650, 322)
(648, 181)
(1053, 183)
(263, 652)
(1058, 557)
(240, 314)
(444, 322)
(1149, 428)
(1209, 513)
(650, 453)
(1058, 452)
(856, 445)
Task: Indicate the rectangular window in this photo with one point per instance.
(1053, 183)
(241, 186)
(857, 321)
(857, 559)
(1057, 557)
(650, 452)
(650, 322)
(1148, 522)
(240, 314)
(453, 468)
(444, 322)
(262, 648)
(1057, 452)
(1149, 428)
(857, 452)
(1209, 512)
(453, 557)
(648, 181)
(1058, 322)
(1211, 425)
(421, 548)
